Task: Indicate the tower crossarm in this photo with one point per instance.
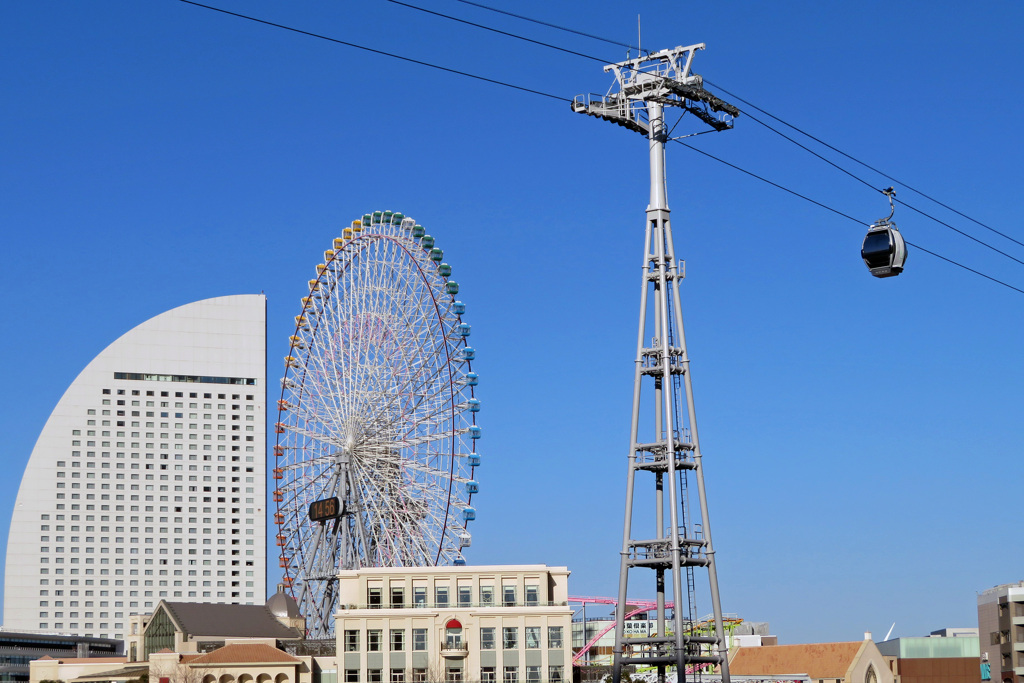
(657, 553)
(619, 110)
(651, 361)
(668, 660)
(671, 639)
(658, 448)
(664, 78)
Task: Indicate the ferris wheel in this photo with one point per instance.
(376, 431)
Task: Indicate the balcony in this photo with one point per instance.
(454, 649)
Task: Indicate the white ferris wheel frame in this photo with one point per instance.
(378, 409)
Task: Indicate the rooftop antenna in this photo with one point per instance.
(667, 446)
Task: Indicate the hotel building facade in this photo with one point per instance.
(148, 480)
(507, 623)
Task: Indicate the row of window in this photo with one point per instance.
(198, 379)
(509, 638)
(135, 530)
(148, 508)
(149, 520)
(44, 626)
(463, 594)
(77, 443)
(488, 674)
(177, 394)
(91, 465)
(178, 456)
(163, 425)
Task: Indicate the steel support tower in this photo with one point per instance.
(664, 452)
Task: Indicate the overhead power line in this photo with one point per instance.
(377, 52)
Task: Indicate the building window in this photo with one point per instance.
(419, 595)
(419, 676)
(397, 599)
(486, 595)
(509, 637)
(465, 596)
(373, 675)
(419, 639)
(453, 637)
(398, 676)
(453, 675)
(508, 596)
(373, 638)
(554, 636)
(554, 674)
(351, 675)
(441, 596)
(487, 638)
(532, 595)
(351, 641)
(373, 597)
(487, 674)
(532, 638)
(511, 674)
(533, 674)
(398, 640)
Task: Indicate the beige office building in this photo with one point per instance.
(508, 623)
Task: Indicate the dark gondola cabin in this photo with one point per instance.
(884, 250)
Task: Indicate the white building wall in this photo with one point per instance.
(113, 512)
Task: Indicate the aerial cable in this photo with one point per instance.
(565, 99)
(378, 52)
(864, 164)
(499, 31)
(746, 113)
(840, 213)
(865, 182)
(766, 113)
(770, 182)
(550, 25)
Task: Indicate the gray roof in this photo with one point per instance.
(124, 674)
(281, 604)
(228, 621)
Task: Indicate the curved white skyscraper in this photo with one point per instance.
(148, 480)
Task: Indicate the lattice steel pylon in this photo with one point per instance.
(643, 88)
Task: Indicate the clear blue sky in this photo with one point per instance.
(862, 436)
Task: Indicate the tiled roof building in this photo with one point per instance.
(850, 662)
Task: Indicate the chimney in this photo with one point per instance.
(867, 635)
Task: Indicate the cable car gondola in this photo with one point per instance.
(884, 250)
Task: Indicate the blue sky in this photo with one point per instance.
(861, 436)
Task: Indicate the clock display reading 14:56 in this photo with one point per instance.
(322, 510)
